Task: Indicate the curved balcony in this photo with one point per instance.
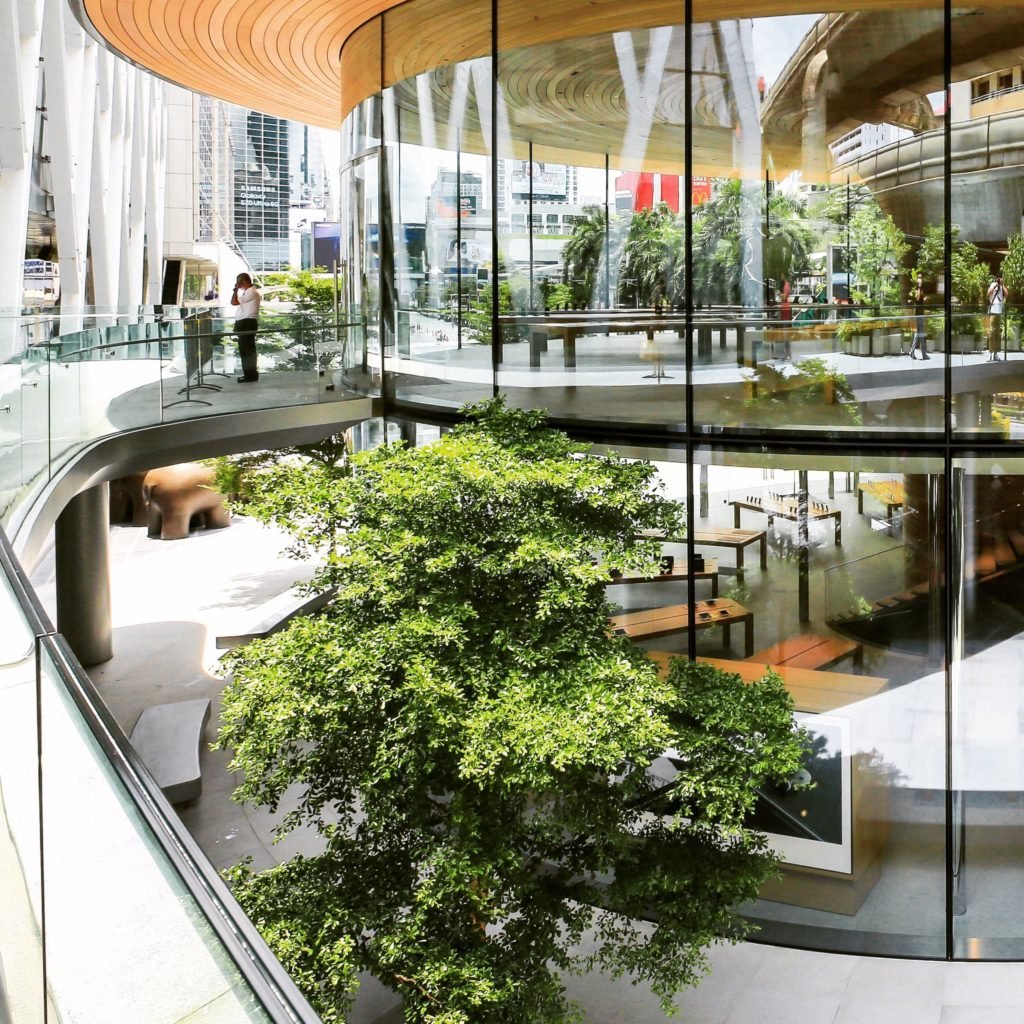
(111, 911)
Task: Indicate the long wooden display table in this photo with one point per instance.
(569, 327)
(890, 493)
(722, 537)
(788, 508)
(675, 618)
(679, 573)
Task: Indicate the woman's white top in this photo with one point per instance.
(996, 299)
(248, 307)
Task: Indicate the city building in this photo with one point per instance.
(854, 515)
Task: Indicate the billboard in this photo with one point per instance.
(444, 204)
(472, 252)
(550, 181)
(326, 244)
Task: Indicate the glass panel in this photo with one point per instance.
(837, 561)
(122, 931)
(809, 228)
(988, 755)
(21, 955)
(591, 178)
(987, 111)
(361, 254)
(437, 127)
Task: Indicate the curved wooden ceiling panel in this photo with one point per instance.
(285, 56)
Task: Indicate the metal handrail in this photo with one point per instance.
(257, 965)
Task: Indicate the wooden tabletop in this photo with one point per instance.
(679, 572)
(812, 690)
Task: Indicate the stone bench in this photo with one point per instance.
(273, 615)
(168, 738)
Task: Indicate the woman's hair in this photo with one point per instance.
(246, 278)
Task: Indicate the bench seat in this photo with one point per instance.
(168, 738)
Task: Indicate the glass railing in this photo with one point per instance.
(67, 379)
(110, 911)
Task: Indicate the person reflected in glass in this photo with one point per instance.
(996, 306)
(245, 297)
(920, 339)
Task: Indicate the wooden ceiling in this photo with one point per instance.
(285, 56)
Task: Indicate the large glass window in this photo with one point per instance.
(988, 754)
(794, 228)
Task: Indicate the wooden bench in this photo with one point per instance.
(168, 738)
(679, 573)
(788, 508)
(810, 651)
(273, 615)
(675, 618)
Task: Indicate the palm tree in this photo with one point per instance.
(651, 257)
(582, 256)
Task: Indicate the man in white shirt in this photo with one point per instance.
(996, 307)
(247, 300)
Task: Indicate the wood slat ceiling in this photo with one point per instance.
(284, 57)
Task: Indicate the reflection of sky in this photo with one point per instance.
(775, 39)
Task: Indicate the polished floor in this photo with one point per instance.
(170, 601)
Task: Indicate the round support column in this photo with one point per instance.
(81, 545)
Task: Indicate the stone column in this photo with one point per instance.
(83, 575)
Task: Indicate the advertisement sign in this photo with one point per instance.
(700, 189)
(444, 205)
(471, 251)
(549, 180)
(326, 244)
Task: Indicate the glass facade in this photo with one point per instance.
(761, 253)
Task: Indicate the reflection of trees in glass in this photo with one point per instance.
(308, 334)
(646, 262)
(879, 246)
(651, 268)
(970, 273)
(811, 392)
(472, 743)
(582, 256)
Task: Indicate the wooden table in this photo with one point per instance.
(675, 618)
(569, 327)
(679, 573)
(736, 539)
(812, 690)
(889, 492)
(788, 508)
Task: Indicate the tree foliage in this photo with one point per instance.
(1013, 266)
(471, 742)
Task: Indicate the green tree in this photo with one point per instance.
(648, 272)
(312, 338)
(1013, 266)
(931, 253)
(881, 248)
(471, 742)
(722, 255)
(583, 254)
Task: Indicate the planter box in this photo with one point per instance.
(862, 344)
(964, 343)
